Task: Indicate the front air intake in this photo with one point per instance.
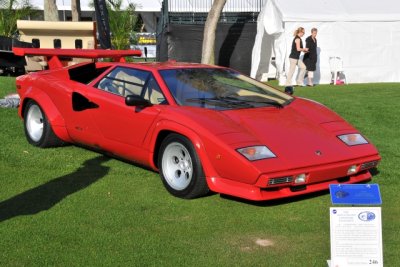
(280, 180)
(368, 165)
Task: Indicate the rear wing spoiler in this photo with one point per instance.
(54, 55)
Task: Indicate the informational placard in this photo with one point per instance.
(356, 237)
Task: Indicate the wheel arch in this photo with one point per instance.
(168, 127)
(156, 147)
(54, 116)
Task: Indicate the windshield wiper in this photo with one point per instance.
(225, 102)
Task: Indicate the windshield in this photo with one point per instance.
(220, 89)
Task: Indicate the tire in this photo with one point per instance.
(37, 128)
(180, 168)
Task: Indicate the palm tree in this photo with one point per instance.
(50, 10)
(76, 10)
(10, 12)
(207, 56)
(122, 23)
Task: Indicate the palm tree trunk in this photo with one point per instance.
(50, 10)
(76, 10)
(207, 56)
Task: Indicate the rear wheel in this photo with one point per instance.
(38, 130)
(180, 168)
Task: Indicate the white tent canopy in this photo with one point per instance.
(365, 34)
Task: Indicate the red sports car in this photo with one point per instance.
(204, 128)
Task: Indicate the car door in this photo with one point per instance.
(123, 126)
(75, 106)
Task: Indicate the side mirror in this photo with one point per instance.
(135, 100)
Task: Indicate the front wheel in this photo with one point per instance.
(37, 127)
(180, 168)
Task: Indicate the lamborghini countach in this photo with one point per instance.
(203, 128)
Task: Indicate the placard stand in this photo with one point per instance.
(356, 231)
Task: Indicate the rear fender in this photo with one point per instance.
(53, 115)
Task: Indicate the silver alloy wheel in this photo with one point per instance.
(177, 166)
(34, 123)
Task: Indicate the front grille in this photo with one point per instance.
(280, 180)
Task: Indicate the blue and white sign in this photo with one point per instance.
(355, 194)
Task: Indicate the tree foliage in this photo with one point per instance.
(122, 23)
(10, 12)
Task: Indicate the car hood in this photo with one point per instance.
(301, 134)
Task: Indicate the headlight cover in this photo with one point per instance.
(256, 152)
(353, 139)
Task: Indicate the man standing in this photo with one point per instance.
(310, 59)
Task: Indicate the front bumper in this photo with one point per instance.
(318, 178)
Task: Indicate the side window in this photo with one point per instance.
(57, 43)
(124, 81)
(153, 92)
(78, 44)
(36, 43)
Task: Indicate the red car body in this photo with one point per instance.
(302, 134)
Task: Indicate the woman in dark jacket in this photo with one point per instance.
(310, 58)
(294, 58)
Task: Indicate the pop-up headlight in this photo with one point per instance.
(353, 139)
(256, 152)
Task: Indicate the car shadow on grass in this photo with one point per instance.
(45, 196)
(278, 202)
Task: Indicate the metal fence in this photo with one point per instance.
(198, 6)
(196, 11)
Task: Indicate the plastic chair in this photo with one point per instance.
(336, 65)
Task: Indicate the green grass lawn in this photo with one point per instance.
(72, 207)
